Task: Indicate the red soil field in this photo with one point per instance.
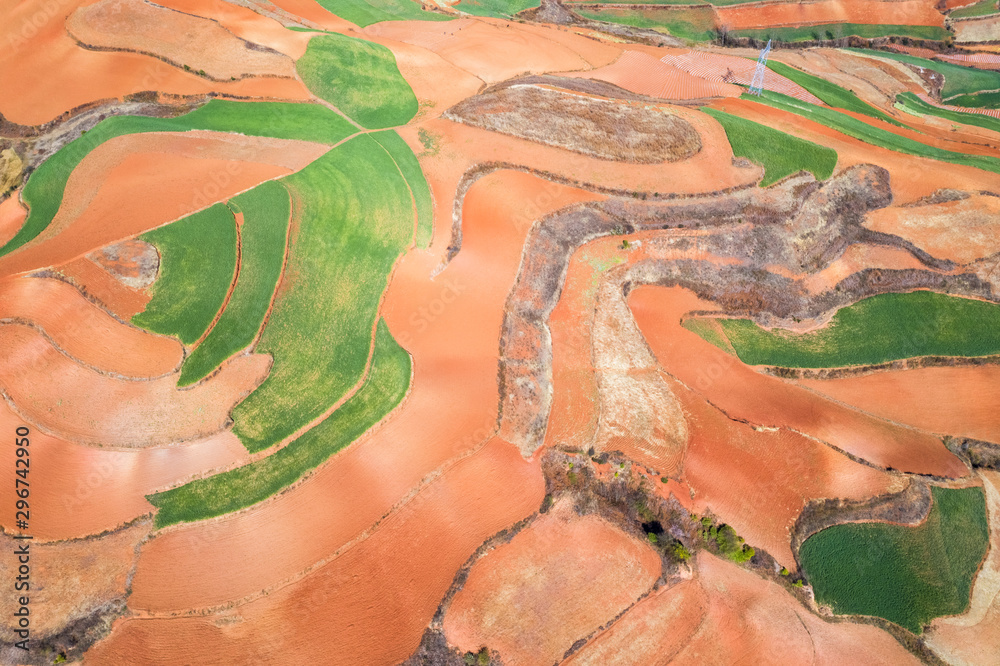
(77, 403)
(246, 23)
(743, 393)
(312, 11)
(959, 401)
(733, 69)
(450, 411)
(120, 190)
(980, 60)
(43, 62)
(905, 12)
(179, 38)
(85, 332)
(974, 636)
(489, 49)
(12, 216)
(121, 300)
(652, 632)
(643, 74)
(962, 231)
(371, 602)
(912, 177)
(558, 580)
(860, 257)
(68, 593)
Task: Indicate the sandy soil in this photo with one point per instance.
(721, 67)
(957, 401)
(555, 582)
(986, 29)
(79, 490)
(70, 579)
(12, 216)
(133, 262)
(83, 405)
(372, 601)
(85, 332)
(962, 231)
(768, 401)
(119, 189)
(179, 38)
(121, 300)
(974, 636)
(905, 12)
(644, 74)
(43, 63)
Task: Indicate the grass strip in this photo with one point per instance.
(265, 225)
(197, 266)
(958, 80)
(496, 8)
(882, 328)
(695, 24)
(780, 154)
(365, 12)
(414, 175)
(907, 575)
(834, 31)
(912, 104)
(384, 388)
(353, 217)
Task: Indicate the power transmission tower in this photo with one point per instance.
(757, 85)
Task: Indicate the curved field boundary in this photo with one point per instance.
(266, 211)
(360, 78)
(831, 94)
(780, 154)
(731, 69)
(356, 219)
(408, 165)
(907, 575)
(879, 329)
(958, 80)
(383, 389)
(43, 192)
(987, 118)
(696, 24)
(876, 136)
(496, 8)
(198, 263)
(365, 12)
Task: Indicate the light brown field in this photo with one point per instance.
(905, 12)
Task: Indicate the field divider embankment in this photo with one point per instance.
(361, 537)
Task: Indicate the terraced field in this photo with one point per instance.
(963, 86)
(912, 104)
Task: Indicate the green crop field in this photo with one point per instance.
(696, 24)
(912, 104)
(709, 329)
(498, 8)
(265, 224)
(830, 93)
(908, 575)
(359, 78)
(197, 266)
(870, 134)
(984, 100)
(781, 154)
(355, 217)
(43, 192)
(366, 12)
(414, 175)
(958, 81)
(831, 31)
(878, 329)
(982, 8)
(383, 389)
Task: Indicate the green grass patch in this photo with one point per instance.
(908, 575)
(696, 24)
(366, 12)
(878, 329)
(912, 104)
(982, 8)
(265, 224)
(986, 100)
(43, 192)
(781, 154)
(869, 134)
(831, 93)
(831, 31)
(354, 218)
(958, 80)
(197, 265)
(359, 78)
(224, 493)
(708, 328)
(414, 175)
(497, 8)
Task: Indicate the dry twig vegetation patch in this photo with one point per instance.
(603, 128)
